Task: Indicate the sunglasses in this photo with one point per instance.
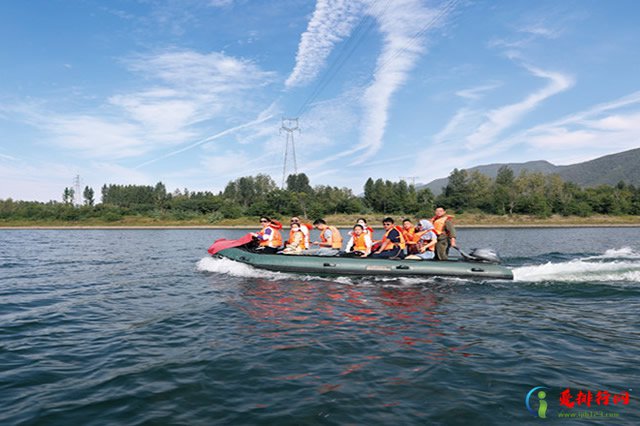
(265, 221)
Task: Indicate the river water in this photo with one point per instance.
(102, 327)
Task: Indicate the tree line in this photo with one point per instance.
(528, 193)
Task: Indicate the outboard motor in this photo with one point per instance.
(485, 255)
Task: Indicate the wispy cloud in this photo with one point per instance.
(331, 22)
(499, 119)
(404, 26)
(7, 157)
(475, 93)
(185, 89)
(206, 140)
(602, 129)
(461, 125)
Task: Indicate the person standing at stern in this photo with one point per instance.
(446, 232)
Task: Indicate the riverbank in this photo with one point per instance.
(462, 221)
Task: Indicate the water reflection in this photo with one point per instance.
(296, 313)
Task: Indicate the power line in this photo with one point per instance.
(357, 37)
(445, 10)
(347, 50)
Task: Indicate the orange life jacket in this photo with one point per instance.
(410, 235)
(308, 226)
(402, 243)
(336, 237)
(438, 224)
(360, 242)
(276, 239)
(292, 238)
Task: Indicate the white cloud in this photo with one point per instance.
(95, 137)
(195, 72)
(226, 163)
(502, 118)
(114, 173)
(475, 93)
(542, 30)
(464, 121)
(220, 3)
(600, 130)
(187, 88)
(603, 134)
(403, 26)
(331, 22)
(207, 140)
(7, 157)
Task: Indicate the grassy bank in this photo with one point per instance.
(462, 220)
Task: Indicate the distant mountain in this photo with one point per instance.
(607, 170)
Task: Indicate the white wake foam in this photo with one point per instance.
(237, 269)
(580, 270)
(621, 253)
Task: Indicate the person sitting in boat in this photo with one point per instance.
(330, 239)
(304, 227)
(296, 243)
(446, 232)
(367, 229)
(360, 242)
(269, 237)
(411, 238)
(427, 241)
(392, 245)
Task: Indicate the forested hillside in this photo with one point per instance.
(607, 170)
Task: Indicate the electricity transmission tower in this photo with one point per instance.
(289, 125)
(77, 196)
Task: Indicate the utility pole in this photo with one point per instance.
(77, 196)
(411, 178)
(289, 125)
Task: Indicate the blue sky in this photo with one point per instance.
(192, 92)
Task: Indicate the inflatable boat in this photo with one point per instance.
(477, 264)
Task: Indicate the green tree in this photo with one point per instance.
(369, 198)
(88, 196)
(426, 202)
(299, 183)
(67, 196)
(532, 196)
(504, 194)
(480, 187)
(456, 194)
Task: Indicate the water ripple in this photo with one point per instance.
(96, 329)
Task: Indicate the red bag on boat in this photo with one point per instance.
(223, 243)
